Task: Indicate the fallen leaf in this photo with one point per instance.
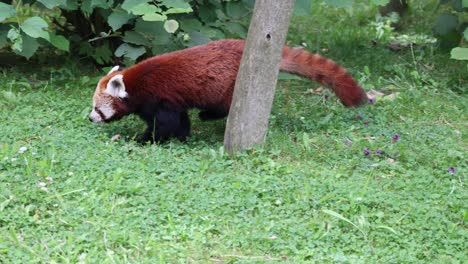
(317, 91)
(374, 94)
(115, 137)
(395, 46)
(391, 96)
(392, 161)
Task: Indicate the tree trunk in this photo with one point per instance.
(247, 122)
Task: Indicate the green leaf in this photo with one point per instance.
(465, 3)
(177, 6)
(129, 5)
(6, 11)
(171, 26)
(465, 33)
(154, 17)
(85, 6)
(196, 38)
(339, 216)
(101, 3)
(13, 34)
(102, 54)
(208, 14)
(3, 37)
(118, 18)
(129, 51)
(29, 46)
(160, 49)
(446, 23)
(306, 141)
(34, 27)
(144, 9)
(59, 42)
(236, 29)
(52, 3)
(70, 5)
(459, 54)
(387, 228)
(250, 3)
(153, 30)
(177, 11)
(136, 38)
(213, 33)
(15, 37)
(236, 10)
(457, 5)
(190, 24)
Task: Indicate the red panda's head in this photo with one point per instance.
(110, 98)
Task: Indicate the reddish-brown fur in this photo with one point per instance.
(204, 76)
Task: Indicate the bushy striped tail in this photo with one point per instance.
(325, 71)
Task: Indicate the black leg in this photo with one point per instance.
(183, 131)
(147, 136)
(212, 114)
(165, 124)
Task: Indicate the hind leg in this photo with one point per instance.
(183, 130)
(212, 114)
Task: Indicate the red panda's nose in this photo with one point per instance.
(90, 119)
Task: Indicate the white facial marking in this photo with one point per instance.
(107, 111)
(95, 117)
(115, 68)
(116, 86)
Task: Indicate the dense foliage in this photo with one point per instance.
(106, 30)
(451, 29)
(115, 30)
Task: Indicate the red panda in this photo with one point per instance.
(163, 88)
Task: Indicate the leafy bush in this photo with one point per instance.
(111, 30)
(116, 31)
(450, 28)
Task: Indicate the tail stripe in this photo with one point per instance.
(325, 71)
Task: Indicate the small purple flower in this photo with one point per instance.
(347, 142)
(366, 151)
(379, 152)
(358, 116)
(451, 170)
(366, 124)
(395, 137)
(371, 100)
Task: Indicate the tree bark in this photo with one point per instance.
(247, 122)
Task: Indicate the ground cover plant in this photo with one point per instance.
(384, 183)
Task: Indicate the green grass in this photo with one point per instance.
(310, 195)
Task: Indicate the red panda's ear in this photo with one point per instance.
(115, 68)
(116, 86)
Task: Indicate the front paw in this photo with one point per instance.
(147, 137)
